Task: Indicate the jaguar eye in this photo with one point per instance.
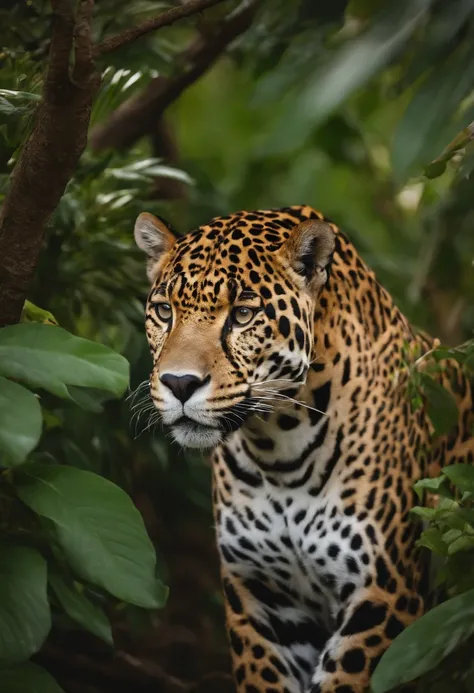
(242, 316)
(163, 311)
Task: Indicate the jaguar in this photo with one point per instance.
(275, 346)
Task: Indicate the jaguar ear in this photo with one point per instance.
(309, 251)
(154, 238)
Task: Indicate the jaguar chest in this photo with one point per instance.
(303, 551)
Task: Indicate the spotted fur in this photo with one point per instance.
(316, 447)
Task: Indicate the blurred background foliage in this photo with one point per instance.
(362, 109)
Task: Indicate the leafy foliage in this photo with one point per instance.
(422, 385)
(447, 629)
(451, 529)
(93, 531)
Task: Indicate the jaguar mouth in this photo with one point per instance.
(192, 423)
(195, 434)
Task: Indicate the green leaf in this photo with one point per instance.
(438, 166)
(169, 172)
(20, 422)
(462, 476)
(442, 407)
(452, 535)
(88, 399)
(48, 357)
(447, 504)
(453, 519)
(25, 618)
(432, 539)
(8, 107)
(425, 513)
(27, 678)
(32, 313)
(461, 353)
(81, 609)
(421, 647)
(438, 485)
(19, 95)
(99, 529)
(462, 543)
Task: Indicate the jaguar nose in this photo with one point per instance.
(183, 386)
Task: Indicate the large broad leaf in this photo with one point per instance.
(422, 646)
(25, 618)
(20, 422)
(100, 530)
(81, 609)
(48, 357)
(27, 678)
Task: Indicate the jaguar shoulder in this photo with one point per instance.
(274, 344)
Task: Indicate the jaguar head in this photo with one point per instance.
(229, 318)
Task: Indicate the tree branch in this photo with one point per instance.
(83, 44)
(138, 115)
(164, 19)
(61, 44)
(48, 158)
(51, 153)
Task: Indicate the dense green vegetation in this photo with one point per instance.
(363, 110)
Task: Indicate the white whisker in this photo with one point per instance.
(269, 395)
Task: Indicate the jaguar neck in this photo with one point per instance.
(352, 354)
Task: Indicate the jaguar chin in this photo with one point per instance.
(191, 434)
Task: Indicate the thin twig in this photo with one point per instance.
(164, 19)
